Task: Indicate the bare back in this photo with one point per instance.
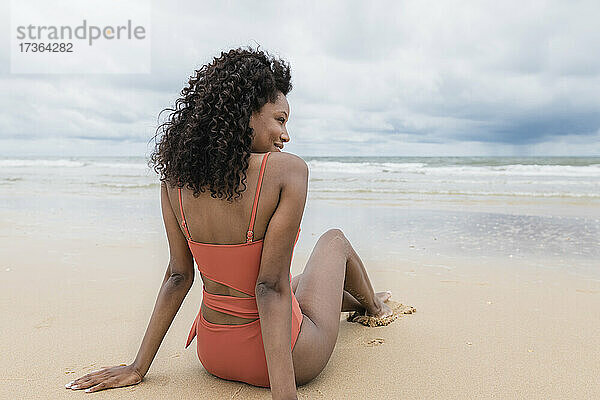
(217, 221)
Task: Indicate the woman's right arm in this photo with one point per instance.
(175, 286)
(273, 292)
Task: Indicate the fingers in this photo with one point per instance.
(87, 380)
(84, 384)
(100, 386)
(106, 378)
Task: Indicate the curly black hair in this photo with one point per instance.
(207, 138)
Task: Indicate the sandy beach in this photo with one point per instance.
(457, 147)
(75, 299)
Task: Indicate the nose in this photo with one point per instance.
(285, 137)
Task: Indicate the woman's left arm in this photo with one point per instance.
(175, 286)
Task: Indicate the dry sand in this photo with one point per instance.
(480, 331)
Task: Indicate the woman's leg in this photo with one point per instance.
(333, 267)
(349, 303)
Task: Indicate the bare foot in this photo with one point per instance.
(384, 296)
(383, 310)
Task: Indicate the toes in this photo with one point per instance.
(384, 296)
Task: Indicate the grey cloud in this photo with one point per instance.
(365, 74)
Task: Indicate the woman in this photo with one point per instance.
(254, 324)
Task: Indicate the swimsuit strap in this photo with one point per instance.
(183, 223)
(250, 234)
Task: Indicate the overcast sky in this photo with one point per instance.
(370, 78)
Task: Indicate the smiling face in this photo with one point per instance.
(269, 128)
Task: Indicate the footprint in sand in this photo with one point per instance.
(374, 342)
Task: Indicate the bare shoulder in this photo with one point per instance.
(292, 168)
(283, 226)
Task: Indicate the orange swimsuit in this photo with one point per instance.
(234, 352)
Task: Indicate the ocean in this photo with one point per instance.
(527, 210)
(376, 180)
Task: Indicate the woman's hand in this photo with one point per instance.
(107, 378)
